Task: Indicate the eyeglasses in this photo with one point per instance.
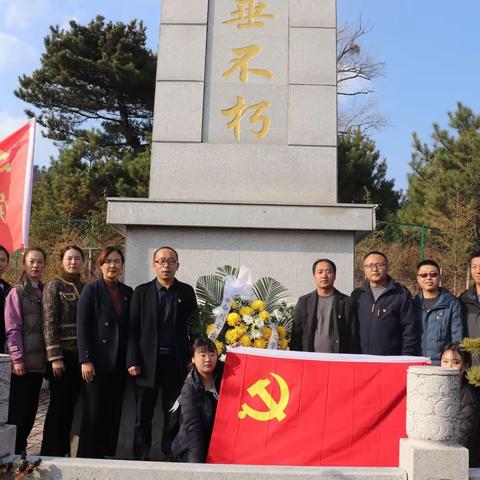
(371, 266)
(165, 261)
(429, 274)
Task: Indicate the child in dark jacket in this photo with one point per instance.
(198, 403)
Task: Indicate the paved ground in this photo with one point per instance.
(35, 438)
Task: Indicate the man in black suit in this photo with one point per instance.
(324, 320)
(159, 349)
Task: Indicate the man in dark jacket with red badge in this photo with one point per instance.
(387, 318)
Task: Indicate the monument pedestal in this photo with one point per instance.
(280, 241)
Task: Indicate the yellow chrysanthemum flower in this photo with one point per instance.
(210, 328)
(219, 346)
(258, 305)
(231, 335)
(264, 315)
(246, 311)
(281, 331)
(266, 332)
(233, 318)
(260, 343)
(283, 343)
(246, 341)
(234, 304)
(241, 329)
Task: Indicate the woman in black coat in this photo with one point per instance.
(198, 403)
(4, 288)
(102, 326)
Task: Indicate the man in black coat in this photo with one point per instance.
(470, 299)
(158, 349)
(324, 320)
(388, 322)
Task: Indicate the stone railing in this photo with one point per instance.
(431, 451)
(7, 432)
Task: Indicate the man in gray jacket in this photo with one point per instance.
(323, 319)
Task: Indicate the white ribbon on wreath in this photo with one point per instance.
(234, 286)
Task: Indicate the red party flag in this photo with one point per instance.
(16, 171)
(310, 409)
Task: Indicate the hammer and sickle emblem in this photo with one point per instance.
(275, 409)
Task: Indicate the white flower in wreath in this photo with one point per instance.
(245, 298)
(248, 319)
(217, 311)
(278, 314)
(254, 333)
(259, 323)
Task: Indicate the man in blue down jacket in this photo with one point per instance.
(439, 312)
(387, 318)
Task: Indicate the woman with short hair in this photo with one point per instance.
(102, 325)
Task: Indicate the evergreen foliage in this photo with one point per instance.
(362, 175)
(96, 83)
(444, 171)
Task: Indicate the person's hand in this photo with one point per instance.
(18, 368)
(58, 368)
(88, 371)
(134, 371)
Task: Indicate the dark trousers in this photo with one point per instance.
(102, 409)
(22, 409)
(64, 392)
(169, 379)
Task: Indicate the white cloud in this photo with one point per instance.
(13, 50)
(21, 14)
(9, 123)
(44, 147)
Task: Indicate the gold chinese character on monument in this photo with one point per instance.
(240, 109)
(245, 54)
(3, 207)
(248, 14)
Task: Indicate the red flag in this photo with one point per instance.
(16, 171)
(294, 408)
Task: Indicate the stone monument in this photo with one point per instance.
(243, 167)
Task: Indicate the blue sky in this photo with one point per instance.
(429, 48)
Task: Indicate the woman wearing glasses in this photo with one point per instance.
(102, 325)
(439, 312)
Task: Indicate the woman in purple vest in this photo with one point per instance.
(23, 328)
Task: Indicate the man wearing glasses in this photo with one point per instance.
(439, 312)
(470, 299)
(158, 349)
(386, 315)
